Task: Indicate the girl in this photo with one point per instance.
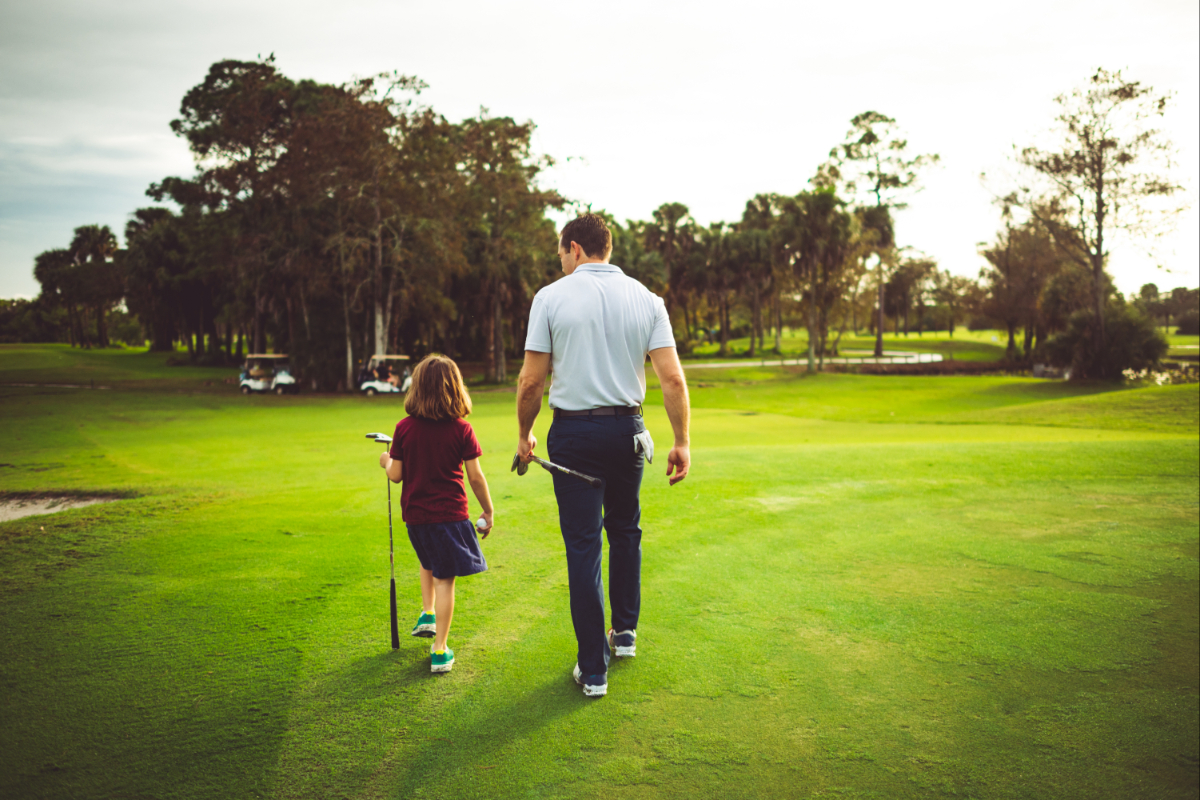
(428, 452)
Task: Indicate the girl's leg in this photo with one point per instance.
(445, 609)
(426, 591)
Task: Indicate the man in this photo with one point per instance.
(595, 328)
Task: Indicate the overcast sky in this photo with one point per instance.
(701, 103)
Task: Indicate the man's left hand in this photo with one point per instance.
(679, 460)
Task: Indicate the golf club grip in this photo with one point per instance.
(395, 624)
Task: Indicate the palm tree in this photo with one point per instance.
(92, 252)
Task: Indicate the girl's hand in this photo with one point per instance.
(489, 520)
(385, 459)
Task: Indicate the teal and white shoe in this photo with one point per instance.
(425, 627)
(441, 661)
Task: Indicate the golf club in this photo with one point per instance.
(383, 438)
(521, 467)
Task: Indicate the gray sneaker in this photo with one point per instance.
(593, 685)
(623, 644)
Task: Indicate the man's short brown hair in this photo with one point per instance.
(437, 390)
(589, 232)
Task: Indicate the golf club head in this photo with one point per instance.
(519, 466)
(382, 438)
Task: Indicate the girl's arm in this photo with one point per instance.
(393, 467)
(480, 488)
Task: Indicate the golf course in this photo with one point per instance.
(867, 587)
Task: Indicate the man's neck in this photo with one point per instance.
(586, 261)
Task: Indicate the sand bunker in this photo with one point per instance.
(29, 506)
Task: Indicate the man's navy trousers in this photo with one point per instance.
(601, 446)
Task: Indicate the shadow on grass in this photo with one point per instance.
(476, 730)
(1029, 392)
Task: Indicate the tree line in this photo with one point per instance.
(333, 222)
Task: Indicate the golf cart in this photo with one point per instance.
(384, 375)
(267, 373)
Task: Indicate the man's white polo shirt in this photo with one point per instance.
(597, 324)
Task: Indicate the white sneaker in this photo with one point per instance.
(623, 644)
(591, 689)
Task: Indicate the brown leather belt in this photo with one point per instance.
(602, 411)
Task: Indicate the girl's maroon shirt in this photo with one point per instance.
(433, 452)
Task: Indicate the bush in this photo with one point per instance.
(1189, 323)
(124, 327)
(31, 321)
(1131, 342)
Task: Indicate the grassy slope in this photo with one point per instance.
(964, 345)
(116, 368)
(831, 608)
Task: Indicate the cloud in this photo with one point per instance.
(706, 103)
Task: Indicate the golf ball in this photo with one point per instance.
(481, 524)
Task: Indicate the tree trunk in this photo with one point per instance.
(501, 372)
(391, 290)
(291, 325)
(724, 312)
(101, 326)
(1011, 350)
(214, 341)
(489, 339)
(879, 326)
(812, 336)
(304, 311)
(758, 322)
(347, 327)
(822, 336)
(778, 324)
(258, 320)
(377, 280)
(753, 316)
(1098, 275)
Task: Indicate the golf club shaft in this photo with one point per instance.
(392, 565)
(551, 465)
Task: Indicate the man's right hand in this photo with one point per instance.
(525, 447)
(679, 460)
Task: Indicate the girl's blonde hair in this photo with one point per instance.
(437, 390)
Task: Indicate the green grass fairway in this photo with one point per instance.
(869, 587)
(964, 345)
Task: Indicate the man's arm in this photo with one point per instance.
(530, 386)
(675, 397)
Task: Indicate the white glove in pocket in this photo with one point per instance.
(642, 443)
